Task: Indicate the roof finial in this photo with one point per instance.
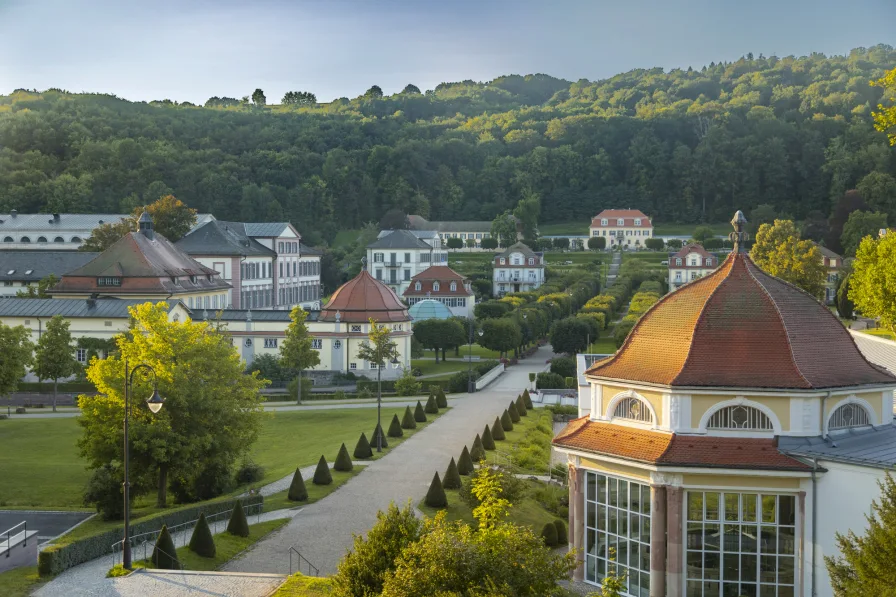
(739, 236)
(364, 263)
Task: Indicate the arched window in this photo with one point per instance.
(740, 417)
(849, 415)
(25, 239)
(454, 287)
(435, 286)
(41, 239)
(632, 409)
(8, 239)
(76, 239)
(417, 286)
(58, 239)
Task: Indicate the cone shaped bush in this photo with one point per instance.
(431, 407)
(527, 400)
(395, 427)
(164, 555)
(238, 525)
(408, 421)
(549, 534)
(488, 442)
(513, 412)
(465, 464)
(201, 542)
(478, 452)
(343, 460)
(498, 430)
(419, 415)
(378, 431)
(521, 407)
(436, 498)
(322, 474)
(452, 476)
(562, 535)
(362, 448)
(441, 399)
(506, 422)
(297, 491)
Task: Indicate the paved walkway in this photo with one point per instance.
(176, 583)
(323, 531)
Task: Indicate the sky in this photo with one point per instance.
(190, 50)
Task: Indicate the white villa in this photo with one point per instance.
(517, 269)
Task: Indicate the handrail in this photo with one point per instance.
(312, 569)
(9, 535)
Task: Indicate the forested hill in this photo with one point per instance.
(684, 146)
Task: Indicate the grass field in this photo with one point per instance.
(574, 228)
(278, 501)
(20, 582)
(605, 345)
(882, 333)
(299, 585)
(720, 229)
(430, 367)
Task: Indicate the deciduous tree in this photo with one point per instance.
(171, 217)
(16, 348)
(41, 290)
(859, 225)
(504, 229)
(779, 251)
(597, 243)
(500, 334)
(872, 284)
(885, 116)
(258, 98)
(55, 355)
(296, 352)
(570, 335)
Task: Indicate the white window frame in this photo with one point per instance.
(776, 428)
(435, 286)
(317, 343)
(850, 401)
(637, 221)
(604, 222)
(627, 395)
(620, 221)
(453, 286)
(81, 355)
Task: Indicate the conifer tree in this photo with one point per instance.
(362, 448)
(562, 534)
(201, 542)
(549, 534)
(488, 441)
(395, 427)
(297, 491)
(477, 453)
(441, 399)
(506, 423)
(521, 406)
(322, 474)
(527, 400)
(498, 430)
(465, 463)
(343, 460)
(435, 497)
(419, 415)
(431, 407)
(378, 431)
(238, 525)
(408, 421)
(164, 555)
(452, 476)
(513, 412)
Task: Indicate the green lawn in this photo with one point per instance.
(605, 345)
(721, 229)
(573, 228)
(299, 585)
(881, 332)
(20, 582)
(278, 501)
(430, 367)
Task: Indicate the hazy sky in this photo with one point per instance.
(190, 50)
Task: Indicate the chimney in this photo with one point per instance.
(145, 223)
(13, 213)
(56, 218)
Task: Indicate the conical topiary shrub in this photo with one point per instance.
(498, 430)
(527, 400)
(488, 441)
(419, 415)
(436, 498)
(408, 421)
(381, 442)
(441, 399)
(164, 555)
(452, 476)
(477, 453)
(322, 474)
(465, 463)
(238, 525)
(201, 542)
(395, 427)
(513, 412)
(297, 491)
(549, 534)
(562, 535)
(521, 406)
(506, 422)
(343, 460)
(362, 448)
(431, 407)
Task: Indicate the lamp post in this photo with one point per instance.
(154, 402)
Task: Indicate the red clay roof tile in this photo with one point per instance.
(363, 298)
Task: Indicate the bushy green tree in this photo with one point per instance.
(859, 225)
(407, 384)
(597, 243)
(201, 541)
(500, 334)
(343, 461)
(395, 427)
(297, 490)
(488, 442)
(781, 252)
(549, 534)
(845, 307)
(872, 284)
(238, 525)
(408, 422)
(465, 463)
(435, 497)
(54, 357)
(322, 474)
(563, 366)
(16, 349)
(452, 476)
(164, 554)
(419, 413)
(362, 448)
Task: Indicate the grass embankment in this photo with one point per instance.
(299, 585)
(882, 333)
(430, 367)
(227, 546)
(20, 582)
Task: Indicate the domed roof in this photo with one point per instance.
(363, 298)
(429, 309)
(739, 327)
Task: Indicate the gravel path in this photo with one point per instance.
(323, 531)
(176, 583)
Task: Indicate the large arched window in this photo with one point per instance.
(633, 409)
(41, 239)
(76, 239)
(8, 239)
(740, 417)
(58, 239)
(24, 239)
(849, 415)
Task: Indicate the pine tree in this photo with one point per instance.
(164, 555)
(513, 412)
(238, 525)
(362, 448)
(527, 400)
(452, 476)
(549, 534)
(419, 415)
(562, 535)
(488, 442)
(378, 431)
(343, 460)
(465, 463)
(202, 542)
(322, 474)
(441, 399)
(297, 491)
(521, 406)
(408, 421)
(498, 430)
(395, 427)
(506, 423)
(478, 452)
(435, 497)
(431, 407)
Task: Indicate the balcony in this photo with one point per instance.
(389, 263)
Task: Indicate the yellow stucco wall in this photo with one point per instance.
(723, 481)
(701, 403)
(620, 470)
(875, 399)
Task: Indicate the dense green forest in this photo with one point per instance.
(685, 146)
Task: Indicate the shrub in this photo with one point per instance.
(104, 491)
(238, 525)
(407, 384)
(452, 476)
(458, 383)
(513, 412)
(465, 463)
(408, 421)
(249, 472)
(488, 442)
(478, 452)
(435, 497)
(651, 286)
(441, 399)
(549, 534)
(201, 542)
(512, 489)
(164, 555)
(562, 535)
(564, 366)
(297, 490)
(521, 406)
(623, 329)
(506, 421)
(431, 407)
(322, 474)
(365, 393)
(395, 427)
(378, 439)
(550, 381)
(498, 430)
(419, 415)
(362, 448)
(205, 483)
(343, 460)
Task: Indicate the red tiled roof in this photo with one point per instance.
(442, 274)
(363, 298)
(668, 449)
(740, 327)
(692, 248)
(629, 215)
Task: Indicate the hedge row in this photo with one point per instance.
(74, 387)
(389, 386)
(58, 558)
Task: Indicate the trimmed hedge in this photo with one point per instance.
(297, 490)
(488, 441)
(378, 439)
(435, 497)
(322, 474)
(389, 386)
(201, 541)
(408, 421)
(164, 554)
(238, 525)
(549, 534)
(562, 534)
(441, 400)
(478, 452)
(73, 387)
(343, 460)
(395, 427)
(527, 400)
(498, 430)
(521, 406)
(55, 559)
(362, 448)
(419, 414)
(465, 464)
(513, 412)
(452, 476)
(506, 421)
(431, 407)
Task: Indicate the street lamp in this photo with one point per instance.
(154, 402)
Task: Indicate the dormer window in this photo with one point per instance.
(193, 279)
(108, 281)
(678, 261)
(418, 287)
(604, 222)
(709, 261)
(632, 409)
(454, 287)
(620, 222)
(637, 221)
(849, 415)
(503, 261)
(531, 261)
(435, 286)
(740, 417)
